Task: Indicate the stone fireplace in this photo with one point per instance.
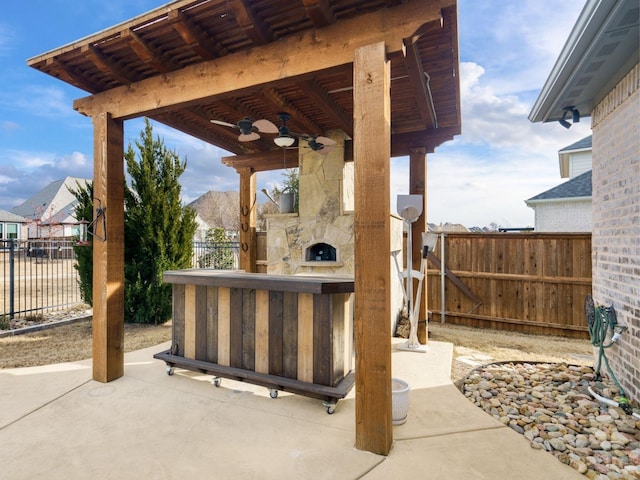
(319, 238)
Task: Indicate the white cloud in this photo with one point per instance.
(39, 101)
(72, 161)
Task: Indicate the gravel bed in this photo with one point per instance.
(550, 405)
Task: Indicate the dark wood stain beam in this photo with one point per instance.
(329, 106)
(280, 103)
(68, 74)
(146, 53)
(319, 11)
(108, 66)
(253, 27)
(195, 38)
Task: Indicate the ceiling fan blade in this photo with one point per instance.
(326, 150)
(224, 124)
(265, 126)
(326, 141)
(248, 137)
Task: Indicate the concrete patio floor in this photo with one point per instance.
(57, 423)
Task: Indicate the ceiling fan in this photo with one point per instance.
(322, 145)
(287, 138)
(249, 129)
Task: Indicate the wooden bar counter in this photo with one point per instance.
(285, 332)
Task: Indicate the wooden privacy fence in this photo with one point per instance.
(525, 282)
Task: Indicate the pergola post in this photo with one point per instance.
(248, 215)
(108, 248)
(372, 329)
(417, 185)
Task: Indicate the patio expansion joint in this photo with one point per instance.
(450, 433)
(40, 407)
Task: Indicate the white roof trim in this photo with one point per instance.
(595, 24)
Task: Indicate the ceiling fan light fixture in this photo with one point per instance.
(284, 141)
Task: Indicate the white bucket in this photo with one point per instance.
(399, 401)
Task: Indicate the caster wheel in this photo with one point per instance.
(331, 407)
(170, 370)
(273, 393)
(216, 381)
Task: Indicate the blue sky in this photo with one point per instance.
(507, 49)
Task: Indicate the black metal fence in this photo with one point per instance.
(36, 276)
(40, 275)
(216, 255)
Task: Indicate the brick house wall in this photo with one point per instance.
(616, 221)
(563, 216)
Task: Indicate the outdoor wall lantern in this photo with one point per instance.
(85, 225)
(575, 116)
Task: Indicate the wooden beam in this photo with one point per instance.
(147, 53)
(320, 97)
(401, 143)
(280, 103)
(332, 46)
(418, 186)
(252, 26)
(372, 130)
(194, 37)
(263, 161)
(420, 81)
(248, 215)
(66, 74)
(319, 12)
(106, 65)
(108, 254)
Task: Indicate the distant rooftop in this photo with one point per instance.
(583, 144)
(6, 216)
(579, 186)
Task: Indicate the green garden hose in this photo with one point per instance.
(604, 331)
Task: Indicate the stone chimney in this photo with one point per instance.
(319, 238)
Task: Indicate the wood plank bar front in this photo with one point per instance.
(292, 333)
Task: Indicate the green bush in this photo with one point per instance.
(158, 230)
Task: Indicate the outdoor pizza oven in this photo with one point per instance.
(321, 252)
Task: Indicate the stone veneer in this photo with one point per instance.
(616, 221)
(325, 216)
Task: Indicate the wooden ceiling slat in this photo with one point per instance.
(146, 53)
(195, 38)
(107, 66)
(252, 26)
(319, 11)
(280, 104)
(331, 108)
(70, 75)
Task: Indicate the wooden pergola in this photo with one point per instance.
(383, 71)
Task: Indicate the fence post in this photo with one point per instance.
(12, 248)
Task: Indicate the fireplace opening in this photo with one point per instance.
(321, 252)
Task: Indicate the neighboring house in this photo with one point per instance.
(51, 211)
(567, 207)
(576, 158)
(12, 226)
(201, 232)
(598, 74)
